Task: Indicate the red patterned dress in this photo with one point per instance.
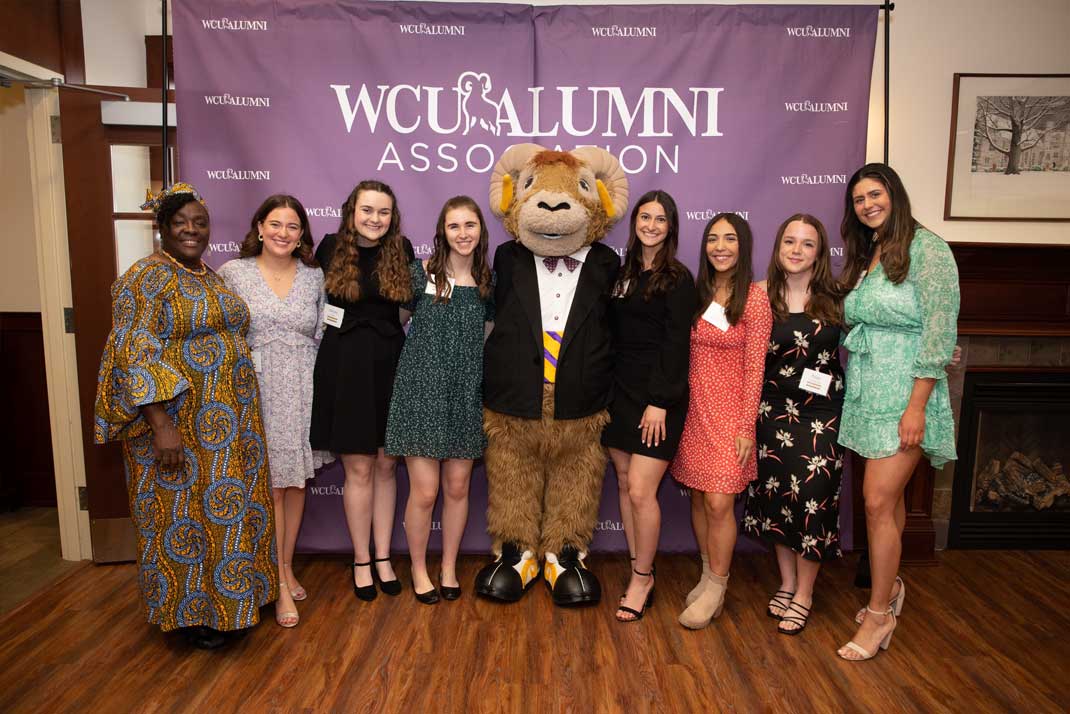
(725, 379)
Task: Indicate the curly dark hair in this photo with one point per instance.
(252, 245)
(170, 205)
(343, 274)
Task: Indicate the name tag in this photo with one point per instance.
(715, 316)
(258, 365)
(333, 315)
(430, 289)
(815, 382)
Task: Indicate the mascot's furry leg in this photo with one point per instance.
(575, 468)
(515, 477)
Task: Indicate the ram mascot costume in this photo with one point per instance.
(548, 367)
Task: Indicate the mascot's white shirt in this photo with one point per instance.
(557, 288)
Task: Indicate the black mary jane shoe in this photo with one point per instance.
(366, 593)
(389, 587)
(428, 598)
(204, 638)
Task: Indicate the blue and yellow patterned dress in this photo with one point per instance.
(205, 532)
(899, 333)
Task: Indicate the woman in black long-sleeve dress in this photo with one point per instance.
(650, 318)
(794, 503)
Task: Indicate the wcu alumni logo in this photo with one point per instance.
(232, 100)
(422, 28)
(472, 107)
(811, 31)
(225, 23)
(624, 31)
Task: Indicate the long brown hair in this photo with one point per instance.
(253, 245)
(667, 270)
(742, 273)
(895, 235)
(343, 274)
(825, 302)
(436, 265)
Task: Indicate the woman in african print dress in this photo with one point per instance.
(177, 387)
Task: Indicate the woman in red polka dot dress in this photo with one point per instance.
(716, 454)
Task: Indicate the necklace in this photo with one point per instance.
(202, 271)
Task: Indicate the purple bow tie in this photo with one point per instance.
(570, 263)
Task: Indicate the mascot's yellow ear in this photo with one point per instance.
(507, 192)
(607, 202)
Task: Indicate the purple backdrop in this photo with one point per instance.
(760, 110)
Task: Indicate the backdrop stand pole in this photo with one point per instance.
(887, 7)
(165, 82)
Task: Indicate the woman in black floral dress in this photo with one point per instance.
(794, 503)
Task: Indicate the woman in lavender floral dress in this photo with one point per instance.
(279, 278)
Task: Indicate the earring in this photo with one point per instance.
(260, 238)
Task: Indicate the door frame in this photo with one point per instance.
(54, 279)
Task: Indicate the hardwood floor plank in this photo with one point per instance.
(984, 632)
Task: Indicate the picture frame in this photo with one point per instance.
(1009, 149)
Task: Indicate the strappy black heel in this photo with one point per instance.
(637, 615)
(796, 614)
(364, 592)
(782, 599)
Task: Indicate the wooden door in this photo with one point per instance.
(98, 219)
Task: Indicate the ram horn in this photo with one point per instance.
(510, 164)
(607, 169)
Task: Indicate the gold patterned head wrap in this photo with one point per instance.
(153, 202)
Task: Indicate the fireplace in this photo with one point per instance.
(1011, 487)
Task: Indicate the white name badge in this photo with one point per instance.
(333, 315)
(815, 382)
(715, 316)
(258, 365)
(429, 289)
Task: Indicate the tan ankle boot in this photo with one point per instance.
(707, 605)
(697, 590)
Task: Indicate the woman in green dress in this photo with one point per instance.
(436, 410)
(177, 388)
(902, 314)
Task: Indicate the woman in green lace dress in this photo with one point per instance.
(436, 411)
(902, 314)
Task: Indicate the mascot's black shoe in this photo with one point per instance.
(569, 579)
(508, 577)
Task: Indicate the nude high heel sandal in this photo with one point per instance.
(855, 647)
(896, 603)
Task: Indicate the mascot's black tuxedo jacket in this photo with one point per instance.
(513, 354)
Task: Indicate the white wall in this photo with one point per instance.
(931, 41)
(18, 263)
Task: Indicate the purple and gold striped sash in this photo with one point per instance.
(551, 348)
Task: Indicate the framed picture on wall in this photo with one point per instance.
(1009, 155)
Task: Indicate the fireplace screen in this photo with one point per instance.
(1019, 461)
(1011, 488)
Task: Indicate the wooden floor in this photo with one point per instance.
(29, 554)
(982, 632)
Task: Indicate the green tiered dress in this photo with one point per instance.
(436, 410)
(899, 333)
